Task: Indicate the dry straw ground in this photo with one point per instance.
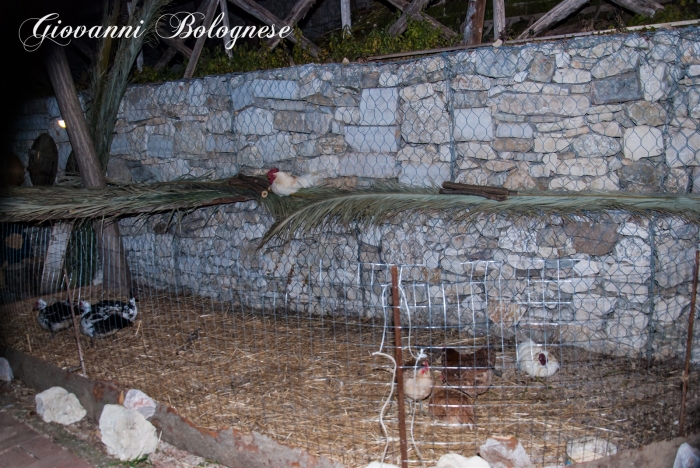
(313, 382)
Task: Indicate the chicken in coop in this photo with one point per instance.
(285, 184)
(55, 317)
(418, 380)
(126, 310)
(451, 405)
(100, 323)
(470, 373)
(535, 360)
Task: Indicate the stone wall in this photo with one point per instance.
(616, 113)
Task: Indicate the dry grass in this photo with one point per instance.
(313, 383)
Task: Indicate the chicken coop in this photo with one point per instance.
(567, 216)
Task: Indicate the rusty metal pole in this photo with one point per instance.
(75, 322)
(689, 342)
(396, 301)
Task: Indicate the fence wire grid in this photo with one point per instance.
(282, 341)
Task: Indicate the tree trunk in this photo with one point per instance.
(115, 267)
(474, 23)
(556, 14)
(499, 19)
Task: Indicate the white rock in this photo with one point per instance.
(139, 401)
(687, 457)
(126, 433)
(643, 141)
(57, 405)
(454, 460)
(505, 452)
(5, 370)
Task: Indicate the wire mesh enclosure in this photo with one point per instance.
(567, 251)
(294, 355)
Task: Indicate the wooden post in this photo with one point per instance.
(197, 50)
(345, 16)
(474, 23)
(499, 19)
(411, 11)
(55, 254)
(396, 303)
(223, 6)
(300, 9)
(556, 14)
(689, 343)
(115, 268)
(71, 301)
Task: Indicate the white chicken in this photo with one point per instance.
(418, 382)
(286, 184)
(534, 360)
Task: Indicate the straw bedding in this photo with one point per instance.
(313, 382)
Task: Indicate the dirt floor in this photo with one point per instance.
(83, 438)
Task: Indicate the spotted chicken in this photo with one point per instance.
(55, 317)
(535, 360)
(286, 184)
(99, 323)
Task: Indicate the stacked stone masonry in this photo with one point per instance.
(614, 113)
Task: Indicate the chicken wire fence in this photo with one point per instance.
(293, 353)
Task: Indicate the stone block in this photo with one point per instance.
(514, 130)
(592, 145)
(126, 433)
(160, 146)
(616, 89)
(543, 104)
(254, 121)
(138, 401)
(378, 106)
(374, 165)
(57, 405)
(373, 139)
(424, 174)
(303, 122)
(473, 124)
(276, 89)
(684, 148)
(622, 61)
(643, 142)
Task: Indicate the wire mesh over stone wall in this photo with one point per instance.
(260, 339)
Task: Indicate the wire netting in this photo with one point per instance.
(282, 340)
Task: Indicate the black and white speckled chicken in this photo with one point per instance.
(100, 323)
(55, 317)
(126, 310)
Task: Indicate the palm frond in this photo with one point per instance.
(320, 208)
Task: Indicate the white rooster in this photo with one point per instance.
(534, 360)
(285, 184)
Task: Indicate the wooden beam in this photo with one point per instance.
(116, 271)
(447, 32)
(641, 7)
(556, 14)
(175, 43)
(411, 11)
(257, 11)
(345, 16)
(167, 56)
(227, 24)
(499, 19)
(300, 9)
(197, 51)
(474, 23)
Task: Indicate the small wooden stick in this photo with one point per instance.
(689, 342)
(75, 321)
(396, 302)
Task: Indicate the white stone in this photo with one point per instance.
(378, 106)
(591, 145)
(550, 143)
(139, 401)
(567, 183)
(583, 167)
(653, 79)
(454, 460)
(471, 83)
(634, 250)
(426, 175)
(562, 59)
(373, 139)
(560, 124)
(476, 150)
(505, 452)
(347, 115)
(5, 370)
(514, 130)
(668, 309)
(611, 129)
(276, 89)
(621, 61)
(57, 405)
(571, 76)
(375, 165)
(587, 306)
(126, 433)
(473, 124)
(643, 141)
(254, 121)
(684, 148)
(387, 80)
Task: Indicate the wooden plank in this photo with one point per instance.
(257, 11)
(199, 45)
(346, 17)
(641, 7)
(499, 19)
(447, 32)
(55, 254)
(474, 23)
(300, 9)
(176, 44)
(411, 11)
(556, 14)
(223, 6)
